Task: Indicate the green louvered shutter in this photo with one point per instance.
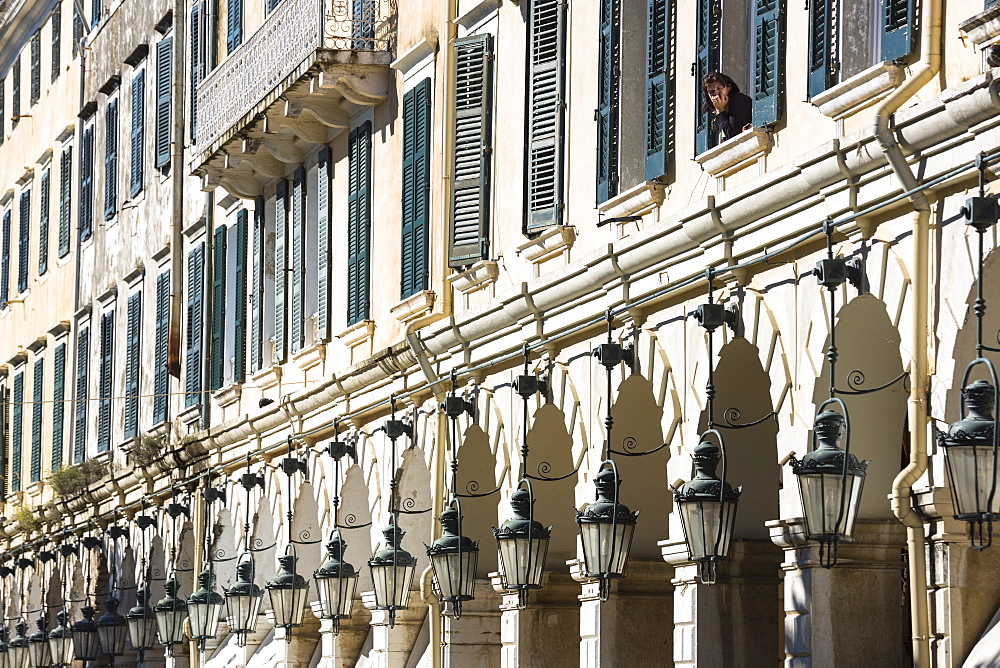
(195, 319)
(416, 187)
(196, 64)
(609, 76)
(87, 184)
(256, 296)
(322, 244)
(23, 239)
(769, 61)
(218, 307)
(106, 376)
(358, 222)
(5, 262)
(821, 46)
(133, 331)
(991, 3)
(58, 405)
(36, 66)
(137, 150)
(297, 254)
(470, 191)
(3, 109)
(546, 113)
(65, 198)
(77, 29)
(161, 378)
(82, 366)
(707, 60)
(111, 160)
(37, 381)
(280, 277)
(240, 283)
(45, 206)
(272, 5)
(659, 87)
(17, 432)
(164, 57)
(899, 34)
(234, 25)
(56, 42)
(15, 93)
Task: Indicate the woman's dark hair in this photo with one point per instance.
(711, 78)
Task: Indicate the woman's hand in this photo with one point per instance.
(720, 98)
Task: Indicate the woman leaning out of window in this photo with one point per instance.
(731, 107)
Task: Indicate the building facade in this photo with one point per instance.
(250, 251)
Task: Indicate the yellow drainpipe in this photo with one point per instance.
(922, 72)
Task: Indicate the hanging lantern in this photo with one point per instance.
(17, 648)
(60, 642)
(454, 558)
(971, 461)
(243, 602)
(830, 484)
(141, 621)
(204, 609)
(111, 629)
(85, 641)
(336, 581)
(287, 592)
(38, 646)
(707, 508)
(170, 612)
(606, 530)
(523, 545)
(392, 572)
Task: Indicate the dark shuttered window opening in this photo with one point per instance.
(234, 25)
(197, 60)
(17, 433)
(58, 405)
(240, 301)
(416, 187)
(82, 367)
(15, 93)
(65, 198)
(37, 383)
(105, 389)
(45, 207)
(133, 334)
(161, 379)
(23, 239)
(359, 223)
(86, 222)
(137, 136)
(36, 66)
(659, 88)
(706, 60)
(322, 244)
(56, 40)
(468, 238)
(821, 54)
(111, 160)
(769, 62)
(297, 254)
(256, 293)
(546, 113)
(195, 320)
(164, 57)
(608, 113)
(218, 345)
(280, 276)
(5, 262)
(899, 29)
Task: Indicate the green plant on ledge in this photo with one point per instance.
(149, 448)
(25, 520)
(71, 480)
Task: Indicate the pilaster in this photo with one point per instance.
(474, 638)
(341, 649)
(296, 651)
(536, 636)
(391, 647)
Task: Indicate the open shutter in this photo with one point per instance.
(358, 219)
(280, 277)
(196, 64)
(58, 405)
(659, 87)
(15, 105)
(65, 198)
(77, 29)
(546, 113)
(234, 25)
(36, 66)
(707, 60)
(609, 75)
(240, 317)
(137, 150)
(297, 256)
(111, 160)
(17, 432)
(323, 244)
(470, 190)
(43, 222)
(821, 46)
(164, 56)
(37, 381)
(161, 379)
(23, 238)
(132, 333)
(193, 361)
(3, 109)
(5, 262)
(107, 373)
(899, 37)
(256, 296)
(56, 41)
(272, 5)
(82, 365)
(218, 306)
(416, 187)
(769, 61)
(87, 184)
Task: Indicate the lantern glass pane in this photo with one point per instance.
(392, 585)
(599, 539)
(170, 625)
(112, 639)
(84, 644)
(288, 604)
(821, 494)
(38, 654)
(456, 577)
(61, 650)
(242, 612)
(204, 619)
(701, 521)
(18, 657)
(336, 595)
(142, 632)
(970, 472)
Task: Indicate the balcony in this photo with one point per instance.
(294, 84)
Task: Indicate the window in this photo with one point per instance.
(95, 13)
(82, 366)
(36, 66)
(768, 86)
(77, 29)
(609, 54)
(56, 40)
(5, 262)
(659, 89)
(416, 187)
(87, 183)
(297, 253)
(65, 198)
(546, 113)
(217, 371)
(15, 110)
(106, 389)
(236, 345)
(319, 184)
(197, 60)
(707, 60)
(17, 432)
(23, 239)
(111, 159)
(58, 405)
(358, 223)
(161, 379)
(193, 360)
(280, 262)
(234, 25)
(262, 294)
(229, 293)
(164, 57)
(3, 107)
(470, 191)
(37, 383)
(133, 329)
(137, 136)
(44, 208)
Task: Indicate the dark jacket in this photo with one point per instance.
(736, 116)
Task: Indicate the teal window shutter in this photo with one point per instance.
(546, 113)
(17, 433)
(36, 66)
(161, 378)
(416, 187)
(56, 41)
(256, 298)
(821, 46)
(323, 244)
(95, 12)
(65, 198)
(87, 184)
(358, 223)
(137, 150)
(218, 307)
(133, 329)
(195, 320)
(706, 60)
(37, 383)
(3, 108)
(298, 242)
(468, 239)
(82, 366)
(234, 25)
(659, 87)
(111, 160)
(608, 73)
(769, 61)
(15, 91)
(43, 222)
(105, 379)
(5, 262)
(164, 56)
(899, 34)
(58, 405)
(23, 238)
(272, 5)
(196, 64)
(280, 278)
(240, 317)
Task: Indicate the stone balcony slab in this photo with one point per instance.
(737, 153)
(860, 91)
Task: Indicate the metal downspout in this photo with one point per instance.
(177, 85)
(923, 72)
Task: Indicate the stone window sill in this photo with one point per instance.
(551, 243)
(358, 333)
(983, 27)
(635, 201)
(267, 378)
(860, 91)
(309, 356)
(480, 275)
(413, 307)
(227, 396)
(737, 153)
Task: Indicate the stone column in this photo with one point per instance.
(628, 628)
(391, 647)
(849, 615)
(544, 633)
(341, 650)
(733, 622)
(254, 641)
(298, 652)
(474, 638)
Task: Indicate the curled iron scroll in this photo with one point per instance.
(629, 445)
(406, 507)
(544, 468)
(857, 378)
(731, 415)
(472, 491)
